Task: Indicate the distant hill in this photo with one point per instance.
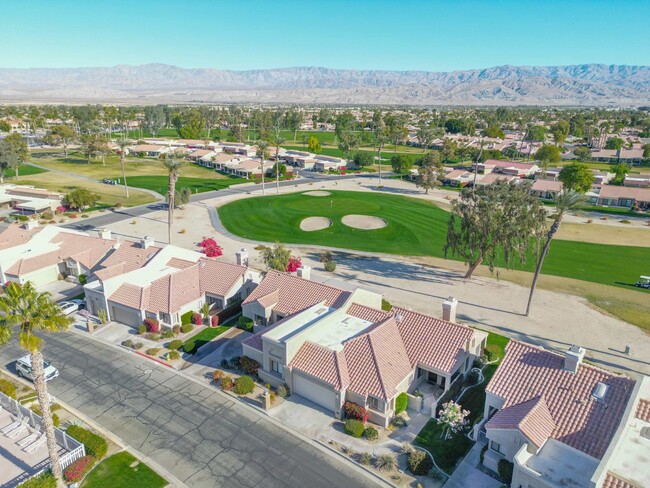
(586, 84)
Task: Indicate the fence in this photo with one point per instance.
(75, 448)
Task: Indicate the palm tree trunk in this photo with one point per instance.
(262, 170)
(170, 207)
(277, 169)
(126, 188)
(44, 405)
(472, 267)
(542, 256)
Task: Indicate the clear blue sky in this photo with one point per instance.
(357, 34)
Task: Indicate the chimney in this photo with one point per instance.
(449, 309)
(573, 358)
(31, 224)
(104, 234)
(304, 272)
(146, 242)
(241, 257)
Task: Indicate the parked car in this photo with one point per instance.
(81, 304)
(69, 307)
(109, 181)
(24, 369)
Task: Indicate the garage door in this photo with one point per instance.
(309, 389)
(124, 316)
(43, 276)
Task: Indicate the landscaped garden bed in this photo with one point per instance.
(123, 470)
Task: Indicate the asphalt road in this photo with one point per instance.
(202, 438)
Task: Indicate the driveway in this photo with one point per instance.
(200, 436)
(62, 290)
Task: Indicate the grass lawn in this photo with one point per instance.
(447, 452)
(415, 228)
(116, 472)
(197, 185)
(25, 170)
(191, 345)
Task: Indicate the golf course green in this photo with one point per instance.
(415, 228)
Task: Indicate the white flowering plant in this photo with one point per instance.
(453, 418)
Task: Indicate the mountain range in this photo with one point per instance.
(585, 84)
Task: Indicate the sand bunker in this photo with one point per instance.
(315, 223)
(365, 222)
(317, 193)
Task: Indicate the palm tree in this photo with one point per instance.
(563, 203)
(262, 153)
(123, 144)
(23, 308)
(173, 165)
(277, 142)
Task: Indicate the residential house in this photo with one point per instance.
(326, 163)
(624, 196)
(163, 283)
(300, 159)
(460, 178)
(29, 200)
(638, 181)
(552, 415)
(490, 178)
(509, 168)
(44, 254)
(546, 189)
(150, 150)
(331, 346)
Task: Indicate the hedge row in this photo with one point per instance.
(95, 444)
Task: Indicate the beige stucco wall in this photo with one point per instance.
(510, 440)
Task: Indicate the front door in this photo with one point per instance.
(432, 378)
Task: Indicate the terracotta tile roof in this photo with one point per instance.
(25, 266)
(497, 163)
(614, 191)
(532, 418)
(130, 255)
(269, 299)
(106, 273)
(15, 235)
(255, 341)
(322, 363)
(643, 410)
(218, 278)
(613, 481)
(547, 185)
(581, 421)
(131, 296)
(296, 294)
(431, 341)
(179, 263)
(377, 361)
(367, 313)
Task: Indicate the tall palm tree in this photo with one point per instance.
(262, 153)
(277, 142)
(564, 202)
(123, 144)
(173, 165)
(30, 312)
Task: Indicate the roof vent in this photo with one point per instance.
(600, 390)
(321, 311)
(399, 317)
(645, 432)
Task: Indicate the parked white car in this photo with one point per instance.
(69, 307)
(24, 369)
(81, 304)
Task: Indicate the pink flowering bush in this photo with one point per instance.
(355, 411)
(152, 325)
(294, 264)
(210, 248)
(77, 470)
(197, 318)
(214, 320)
(453, 418)
(60, 209)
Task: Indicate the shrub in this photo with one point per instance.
(210, 247)
(330, 266)
(152, 336)
(365, 458)
(153, 351)
(226, 383)
(401, 402)
(492, 352)
(214, 321)
(137, 345)
(59, 210)
(186, 318)
(472, 377)
(168, 334)
(294, 264)
(419, 463)
(371, 434)
(244, 385)
(95, 444)
(197, 318)
(43, 480)
(37, 410)
(625, 221)
(283, 391)
(142, 329)
(185, 328)
(235, 363)
(152, 325)
(385, 462)
(325, 257)
(175, 344)
(217, 374)
(176, 329)
(505, 468)
(77, 470)
(249, 365)
(386, 305)
(8, 388)
(128, 343)
(173, 355)
(407, 448)
(355, 411)
(354, 428)
(224, 363)
(245, 323)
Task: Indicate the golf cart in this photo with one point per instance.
(644, 282)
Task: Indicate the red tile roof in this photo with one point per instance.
(613, 481)
(532, 418)
(15, 235)
(295, 294)
(581, 421)
(643, 410)
(129, 255)
(322, 363)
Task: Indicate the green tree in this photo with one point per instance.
(154, 118)
(560, 131)
(20, 148)
(174, 166)
(494, 223)
(430, 172)
(64, 135)
(292, 121)
(426, 135)
(181, 198)
(348, 142)
(620, 171)
(449, 149)
(80, 198)
(29, 312)
(362, 159)
(546, 155)
(576, 177)
(313, 144)
(401, 163)
(91, 145)
(276, 257)
(536, 133)
(565, 201)
(582, 153)
(494, 131)
(9, 158)
(614, 143)
(5, 126)
(646, 151)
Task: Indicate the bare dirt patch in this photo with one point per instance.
(311, 224)
(317, 193)
(621, 235)
(365, 222)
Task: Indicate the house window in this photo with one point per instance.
(496, 447)
(373, 402)
(276, 367)
(165, 318)
(214, 301)
(258, 319)
(420, 372)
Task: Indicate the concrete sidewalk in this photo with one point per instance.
(467, 475)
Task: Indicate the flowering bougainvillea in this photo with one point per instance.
(214, 320)
(60, 209)
(294, 264)
(197, 318)
(210, 247)
(152, 325)
(77, 470)
(355, 411)
(452, 418)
